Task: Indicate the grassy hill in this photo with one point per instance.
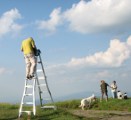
(67, 110)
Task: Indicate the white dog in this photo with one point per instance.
(120, 95)
(86, 102)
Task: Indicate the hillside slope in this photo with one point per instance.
(69, 110)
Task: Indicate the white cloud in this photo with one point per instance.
(5, 71)
(114, 56)
(51, 24)
(91, 17)
(129, 41)
(99, 15)
(7, 22)
(84, 74)
(102, 74)
(2, 70)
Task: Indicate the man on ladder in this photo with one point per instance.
(28, 47)
(32, 55)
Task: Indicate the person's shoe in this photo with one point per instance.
(27, 77)
(31, 76)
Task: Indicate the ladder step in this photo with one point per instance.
(41, 78)
(44, 91)
(28, 112)
(54, 107)
(28, 94)
(28, 103)
(39, 70)
(47, 99)
(42, 85)
(29, 86)
(39, 62)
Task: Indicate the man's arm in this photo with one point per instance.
(33, 43)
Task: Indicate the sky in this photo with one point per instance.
(82, 42)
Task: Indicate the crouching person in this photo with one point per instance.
(125, 96)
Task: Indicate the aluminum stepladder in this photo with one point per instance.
(29, 93)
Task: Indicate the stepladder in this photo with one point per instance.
(37, 86)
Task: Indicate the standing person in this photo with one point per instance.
(27, 47)
(104, 90)
(114, 89)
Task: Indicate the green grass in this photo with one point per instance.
(114, 104)
(10, 111)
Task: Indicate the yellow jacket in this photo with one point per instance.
(28, 45)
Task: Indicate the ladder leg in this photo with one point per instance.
(45, 85)
(21, 105)
(39, 89)
(34, 104)
(45, 77)
(27, 88)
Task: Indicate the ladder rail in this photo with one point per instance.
(39, 89)
(45, 78)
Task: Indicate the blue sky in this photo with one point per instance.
(82, 42)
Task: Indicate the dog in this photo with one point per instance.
(120, 95)
(86, 102)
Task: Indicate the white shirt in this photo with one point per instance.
(113, 87)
